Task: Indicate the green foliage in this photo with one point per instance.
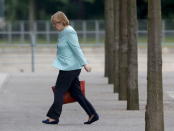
(168, 9)
(75, 9)
(16, 9)
(91, 1)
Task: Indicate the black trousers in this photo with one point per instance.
(68, 80)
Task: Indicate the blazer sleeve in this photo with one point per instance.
(72, 41)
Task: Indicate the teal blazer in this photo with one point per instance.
(69, 54)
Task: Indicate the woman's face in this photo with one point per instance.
(58, 25)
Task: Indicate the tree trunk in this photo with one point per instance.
(109, 39)
(154, 109)
(132, 96)
(123, 49)
(106, 11)
(116, 47)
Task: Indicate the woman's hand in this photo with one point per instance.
(87, 68)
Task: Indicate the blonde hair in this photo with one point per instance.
(61, 17)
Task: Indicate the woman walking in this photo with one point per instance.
(70, 60)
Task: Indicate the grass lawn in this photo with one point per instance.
(168, 41)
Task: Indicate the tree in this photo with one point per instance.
(132, 92)
(154, 115)
(111, 45)
(106, 39)
(93, 9)
(123, 50)
(109, 39)
(116, 44)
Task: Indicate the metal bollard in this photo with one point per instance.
(33, 44)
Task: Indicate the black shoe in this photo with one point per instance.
(50, 122)
(92, 119)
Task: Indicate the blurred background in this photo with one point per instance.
(28, 40)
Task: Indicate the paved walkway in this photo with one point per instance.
(26, 97)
